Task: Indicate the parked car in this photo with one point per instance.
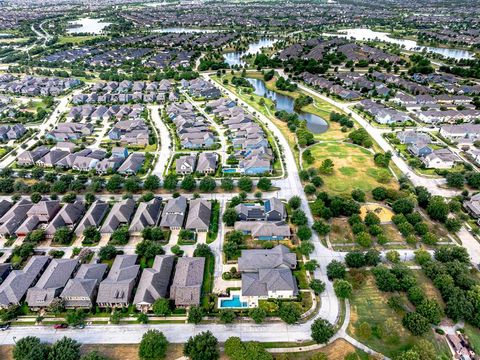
(60, 326)
(80, 326)
(4, 327)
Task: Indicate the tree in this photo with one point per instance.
(455, 179)
(120, 236)
(318, 286)
(355, 259)
(358, 195)
(298, 218)
(416, 323)
(372, 257)
(93, 355)
(311, 265)
(438, 209)
(416, 295)
(364, 239)
(264, 184)
(343, 288)
(76, 317)
(36, 197)
(35, 236)
(306, 248)
(91, 235)
(188, 183)
(24, 250)
(30, 348)
(170, 182)
(64, 349)
(153, 233)
(371, 219)
(403, 206)
(393, 256)
(422, 256)
(327, 167)
(430, 310)
(257, 314)
(295, 202)
(151, 183)
(153, 346)
(321, 227)
(203, 346)
(379, 193)
(304, 233)
(202, 250)
(114, 183)
(230, 216)
(336, 270)
(322, 331)
(289, 313)
(453, 225)
(107, 252)
(245, 184)
(195, 315)
(161, 307)
(227, 184)
(227, 316)
(149, 249)
(207, 184)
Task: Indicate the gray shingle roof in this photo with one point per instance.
(174, 212)
(268, 280)
(118, 286)
(199, 215)
(67, 216)
(15, 286)
(51, 283)
(79, 291)
(278, 257)
(187, 283)
(93, 216)
(147, 214)
(121, 213)
(155, 281)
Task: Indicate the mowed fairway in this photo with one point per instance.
(354, 168)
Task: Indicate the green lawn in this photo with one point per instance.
(354, 168)
(369, 305)
(473, 335)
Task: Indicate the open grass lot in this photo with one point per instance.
(354, 168)
(392, 233)
(341, 232)
(74, 39)
(426, 284)
(369, 305)
(334, 351)
(473, 335)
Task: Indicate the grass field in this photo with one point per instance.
(74, 39)
(473, 335)
(354, 168)
(369, 305)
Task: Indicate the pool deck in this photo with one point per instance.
(250, 304)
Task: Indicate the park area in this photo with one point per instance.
(354, 168)
(378, 326)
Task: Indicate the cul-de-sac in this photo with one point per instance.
(239, 180)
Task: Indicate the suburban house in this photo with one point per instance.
(15, 286)
(147, 214)
(473, 206)
(30, 157)
(419, 149)
(199, 214)
(154, 282)
(173, 215)
(207, 163)
(441, 159)
(68, 216)
(51, 283)
(411, 137)
(14, 217)
(93, 217)
(80, 292)
(132, 164)
(40, 213)
(267, 273)
(120, 214)
(185, 164)
(264, 230)
(116, 290)
(272, 209)
(5, 269)
(186, 289)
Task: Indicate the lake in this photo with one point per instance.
(235, 58)
(365, 34)
(87, 25)
(184, 30)
(315, 123)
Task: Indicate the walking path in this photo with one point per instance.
(165, 142)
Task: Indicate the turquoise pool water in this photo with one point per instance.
(234, 302)
(229, 171)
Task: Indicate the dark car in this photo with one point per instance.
(60, 326)
(4, 327)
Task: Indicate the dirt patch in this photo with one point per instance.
(381, 211)
(341, 232)
(334, 351)
(127, 351)
(6, 352)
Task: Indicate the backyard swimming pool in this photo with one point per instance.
(234, 302)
